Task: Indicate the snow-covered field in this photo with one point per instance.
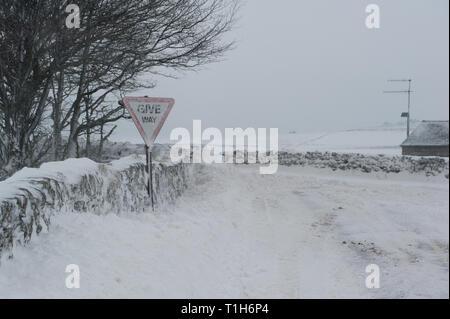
(303, 232)
(369, 141)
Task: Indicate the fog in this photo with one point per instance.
(313, 65)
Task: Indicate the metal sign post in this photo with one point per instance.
(149, 170)
(149, 115)
(150, 177)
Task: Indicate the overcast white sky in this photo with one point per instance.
(312, 65)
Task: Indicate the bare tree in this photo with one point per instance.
(27, 41)
(75, 75)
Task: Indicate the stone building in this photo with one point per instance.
(430, 138)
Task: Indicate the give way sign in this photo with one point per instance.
(149, 115)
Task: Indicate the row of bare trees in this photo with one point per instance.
(59, 84)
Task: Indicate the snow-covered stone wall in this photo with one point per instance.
(367, 163)
(30, 198)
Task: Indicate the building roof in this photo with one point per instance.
(429, 133)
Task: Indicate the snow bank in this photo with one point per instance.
(29, 198)
(301, 233)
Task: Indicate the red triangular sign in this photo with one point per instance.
(149, 115)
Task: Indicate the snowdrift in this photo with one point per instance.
(30, 198)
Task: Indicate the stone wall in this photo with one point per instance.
(367, 163)
(30, 198)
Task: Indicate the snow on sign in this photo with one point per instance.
(149, 115)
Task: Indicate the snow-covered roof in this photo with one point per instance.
(429, 133)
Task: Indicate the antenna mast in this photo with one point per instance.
(407, 114)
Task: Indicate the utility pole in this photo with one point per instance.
(404, 114)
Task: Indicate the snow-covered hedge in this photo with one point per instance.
(30, 198)
(367, 163)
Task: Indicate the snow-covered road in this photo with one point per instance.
(237, 234)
